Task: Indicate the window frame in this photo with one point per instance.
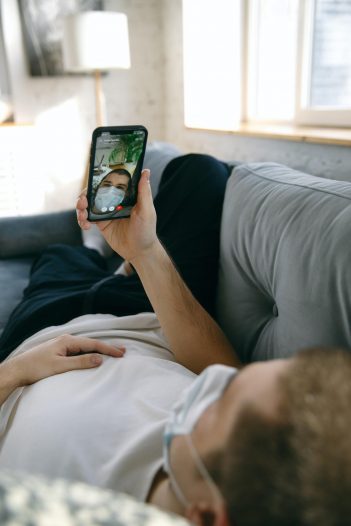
(305, 114)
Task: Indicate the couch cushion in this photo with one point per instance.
(29, 235)
(14, 276)
(285, 271)
(157, 156)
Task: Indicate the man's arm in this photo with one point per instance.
(56, 356)
(194, 336)
(8, 380)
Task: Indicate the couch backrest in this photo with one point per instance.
(285, 268)
(158, 154)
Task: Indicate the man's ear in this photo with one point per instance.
(204, 514)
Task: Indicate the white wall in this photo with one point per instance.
(142, 88)
(323, 160)
(62, 109)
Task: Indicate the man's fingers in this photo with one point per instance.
(82, 215)
(82, 201)
(81, 210)
(83, 222)
(75, 345)
(84, 361)
(107, 349)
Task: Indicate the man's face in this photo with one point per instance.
(257, 386)
(117, 180)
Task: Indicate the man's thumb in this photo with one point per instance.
(144, 188)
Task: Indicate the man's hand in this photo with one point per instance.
(58, 355)
(129, 237)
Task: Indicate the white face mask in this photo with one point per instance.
(108, 197)
(206, 389)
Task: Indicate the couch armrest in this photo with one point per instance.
(28, 235)
(285, 275)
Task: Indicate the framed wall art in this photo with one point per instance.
(42, 31)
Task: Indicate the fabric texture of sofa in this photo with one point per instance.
(285, 273)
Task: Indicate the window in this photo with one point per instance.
(277, 61)
(271, 58)
(212, 42)
(331, 55)
(324, 96)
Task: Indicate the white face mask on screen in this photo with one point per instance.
(206, 389)
(107, 198)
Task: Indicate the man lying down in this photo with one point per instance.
(157, 405)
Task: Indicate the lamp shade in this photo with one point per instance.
(95, 40)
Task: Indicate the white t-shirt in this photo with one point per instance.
(104, 425)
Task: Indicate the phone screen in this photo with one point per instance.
(115, 167)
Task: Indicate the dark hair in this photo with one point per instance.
(121, 171)
(294, 470)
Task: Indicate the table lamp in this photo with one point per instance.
(93, 42)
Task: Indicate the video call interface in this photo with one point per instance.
(116, 160)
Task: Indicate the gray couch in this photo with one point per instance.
(285, 273)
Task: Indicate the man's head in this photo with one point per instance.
(276, 445)
(119, 178)
(111, 191)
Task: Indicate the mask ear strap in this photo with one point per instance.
(177, 491)
(203, 470)
(168, 468)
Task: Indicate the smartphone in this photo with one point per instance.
(116, 160)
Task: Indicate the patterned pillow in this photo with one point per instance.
(27, 499)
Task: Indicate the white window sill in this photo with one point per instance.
(338, 136)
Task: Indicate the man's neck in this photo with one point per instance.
(162, 495)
